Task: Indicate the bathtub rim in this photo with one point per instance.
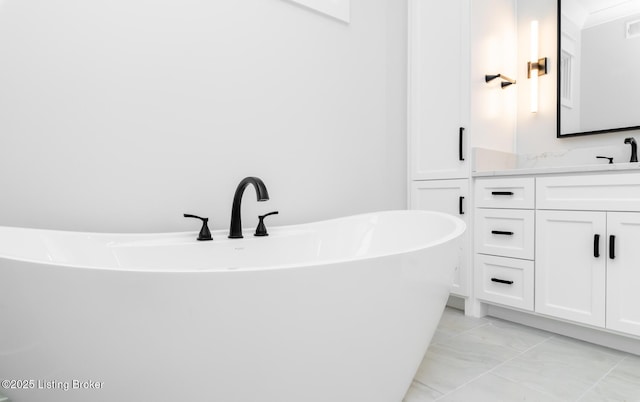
(459, 228)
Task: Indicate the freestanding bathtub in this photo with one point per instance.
(334, 311)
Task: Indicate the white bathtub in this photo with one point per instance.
(333, 311)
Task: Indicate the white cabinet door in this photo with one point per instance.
(571, 265)
(451, 197)
(623, 272)
(438, 89)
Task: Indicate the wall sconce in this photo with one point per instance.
(536, 67)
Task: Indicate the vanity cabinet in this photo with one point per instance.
(438, 89)
(554, 249)
(588, 253)
(451, 197)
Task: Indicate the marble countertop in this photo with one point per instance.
(490, 162)
(604, 167)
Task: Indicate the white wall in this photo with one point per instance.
(536, 133)
(120, 115)
(493, 51)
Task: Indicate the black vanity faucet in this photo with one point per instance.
(235, 232)
(634, 148)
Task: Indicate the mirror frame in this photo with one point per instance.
(558, 95)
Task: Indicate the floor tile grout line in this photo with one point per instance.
(421, 383)
(595, 384)
(440, 344)
(493, 370)
(542, 391)
(490, 371)
(459, 333)
(560, 338)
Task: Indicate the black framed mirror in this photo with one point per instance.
(598, 66)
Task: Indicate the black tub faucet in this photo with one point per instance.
(634, 148)
(235, 232)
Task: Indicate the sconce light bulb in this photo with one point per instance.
(534, 93)
(534, 42)
(533, 73)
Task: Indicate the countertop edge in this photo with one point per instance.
(616, 167)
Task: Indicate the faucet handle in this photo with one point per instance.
(634, 148)
(205, 233)
(261, 230)
(605, 157)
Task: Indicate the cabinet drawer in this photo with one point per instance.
(505, 281)
(505, 193)
(505, 232)
(608, 192)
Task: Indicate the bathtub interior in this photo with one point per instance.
(361, 236)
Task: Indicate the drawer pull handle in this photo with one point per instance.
(502, 281)
(501, 232)
(612, 247)
(596, 245)
(460, 205)
(502, 193)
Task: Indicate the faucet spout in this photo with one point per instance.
(235, 231)
(634, 148)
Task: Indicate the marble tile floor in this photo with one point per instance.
(492, 360)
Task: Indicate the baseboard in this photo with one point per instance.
(453, 302)
(600, 337)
